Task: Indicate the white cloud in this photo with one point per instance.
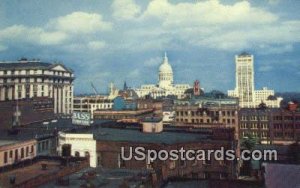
(52, 38)
(96, 45)
(34, 35)
(206, 12)
(61, 30)
(153, 62)
(80, 22)
(125, 9)
(210, 24)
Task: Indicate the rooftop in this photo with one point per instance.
(39, 130)
(135, 135)
(7, 142)
(28, 64)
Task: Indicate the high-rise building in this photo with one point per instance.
(244, 89)
(26, 79)
(245, 78)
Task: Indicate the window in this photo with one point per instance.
(22, 153)
(5, 157)
(77, 154)
(182, 163)
(31, 149)
(27, 151)
(16, 154)
(10, 154)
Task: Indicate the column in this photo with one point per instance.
(63, 98)
(55, 98)
(10, 94)
(59, 99)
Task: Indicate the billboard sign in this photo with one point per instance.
(81, 118)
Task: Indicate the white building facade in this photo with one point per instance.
(27, 79)
(92, 103)
(245, 91)
(82, 145)
(165, 84)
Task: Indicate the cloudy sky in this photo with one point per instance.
(112, 41)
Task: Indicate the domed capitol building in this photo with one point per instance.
(165, 86)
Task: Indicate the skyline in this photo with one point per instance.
(125, 40)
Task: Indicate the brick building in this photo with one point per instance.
(109, 143)
(270, 126)
(13, 151)
(204, 112)
(36, 109)
(122, 114)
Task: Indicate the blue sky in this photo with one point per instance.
(112, 41)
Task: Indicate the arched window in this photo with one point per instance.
(77, 154)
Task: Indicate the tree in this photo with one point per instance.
(249, 142)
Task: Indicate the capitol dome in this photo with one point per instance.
(165, 67)
(165, 74)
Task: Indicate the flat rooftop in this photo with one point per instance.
(7, 142)
(99, 177)
(135, 135)
(39, 130)
(29, 172)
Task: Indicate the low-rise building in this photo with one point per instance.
(14, 151)
(25, 111)
(92, 103)
(203, 111)
(135, 115)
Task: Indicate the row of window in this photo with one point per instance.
(28, 72)
(33, 80)
(208, 113)
(208, 120)
(17, 154)
(286, 126)
(255, 134)
(255, 118)
(253, 126)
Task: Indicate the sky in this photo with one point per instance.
(125, 40)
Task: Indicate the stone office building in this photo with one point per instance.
(26, 79)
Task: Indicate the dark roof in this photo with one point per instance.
(29, 65)
(152, 119)
(26, 65)
(244, 54)
(39, 131)
(135, 135)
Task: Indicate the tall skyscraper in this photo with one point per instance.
(244, 89)
(245, 78)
